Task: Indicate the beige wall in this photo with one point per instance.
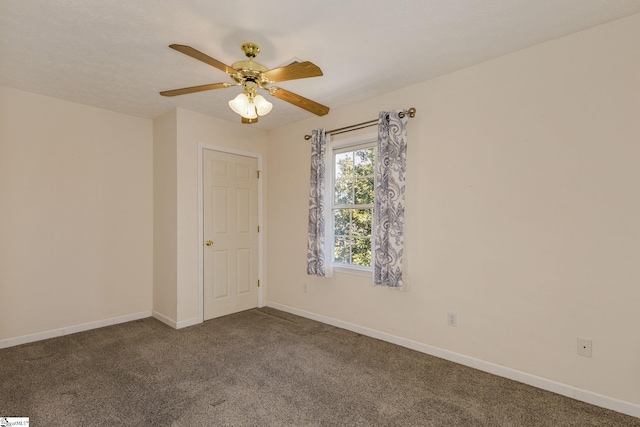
(165, 214)
(75, 214)
(190, 130)
(521, 213)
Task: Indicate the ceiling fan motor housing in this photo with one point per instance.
(248, 70)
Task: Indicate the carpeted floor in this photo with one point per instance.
(263, 367)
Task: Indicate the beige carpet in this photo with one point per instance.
(263, 367)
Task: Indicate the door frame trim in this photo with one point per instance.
(201, 148)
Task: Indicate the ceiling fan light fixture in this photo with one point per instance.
(242, 105)
(263, 107)
(253, 76)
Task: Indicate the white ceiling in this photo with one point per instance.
(114, 54)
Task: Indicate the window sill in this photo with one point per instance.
(363, 272)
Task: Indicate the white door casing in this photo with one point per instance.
(230, 227)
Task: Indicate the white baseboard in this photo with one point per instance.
(176, 325)
(482, 365)
(164, 319)
(38, 336)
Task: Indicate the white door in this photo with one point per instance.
(230, 185)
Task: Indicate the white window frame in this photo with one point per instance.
(367, 140)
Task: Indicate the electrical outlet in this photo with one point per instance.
(452, 319)
(304, 288)
(585, 347)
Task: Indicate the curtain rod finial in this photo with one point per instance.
(411, 112)
(307, 137)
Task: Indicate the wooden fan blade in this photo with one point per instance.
(249, 121)
(301, 70)
(193, 89)
(299, 101)
(188, 50)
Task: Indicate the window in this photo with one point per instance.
(352, 207)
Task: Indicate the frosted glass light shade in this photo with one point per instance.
(241, 105)
(262, 105)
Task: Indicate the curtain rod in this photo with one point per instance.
(411, 112)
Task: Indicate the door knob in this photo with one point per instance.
(208, 243)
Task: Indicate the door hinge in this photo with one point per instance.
(258, 229)
(258, 173)
(258, 282)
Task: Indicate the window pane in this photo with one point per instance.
(362, 251)
(344, 178)
(363, 162)
(342, 250)
(362, 219)
(344, 165)
(344, 191)
(341, 221)
(363, 191)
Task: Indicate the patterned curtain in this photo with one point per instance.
(316, 243)
(390, 168)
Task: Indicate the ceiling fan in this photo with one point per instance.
(253, 76)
